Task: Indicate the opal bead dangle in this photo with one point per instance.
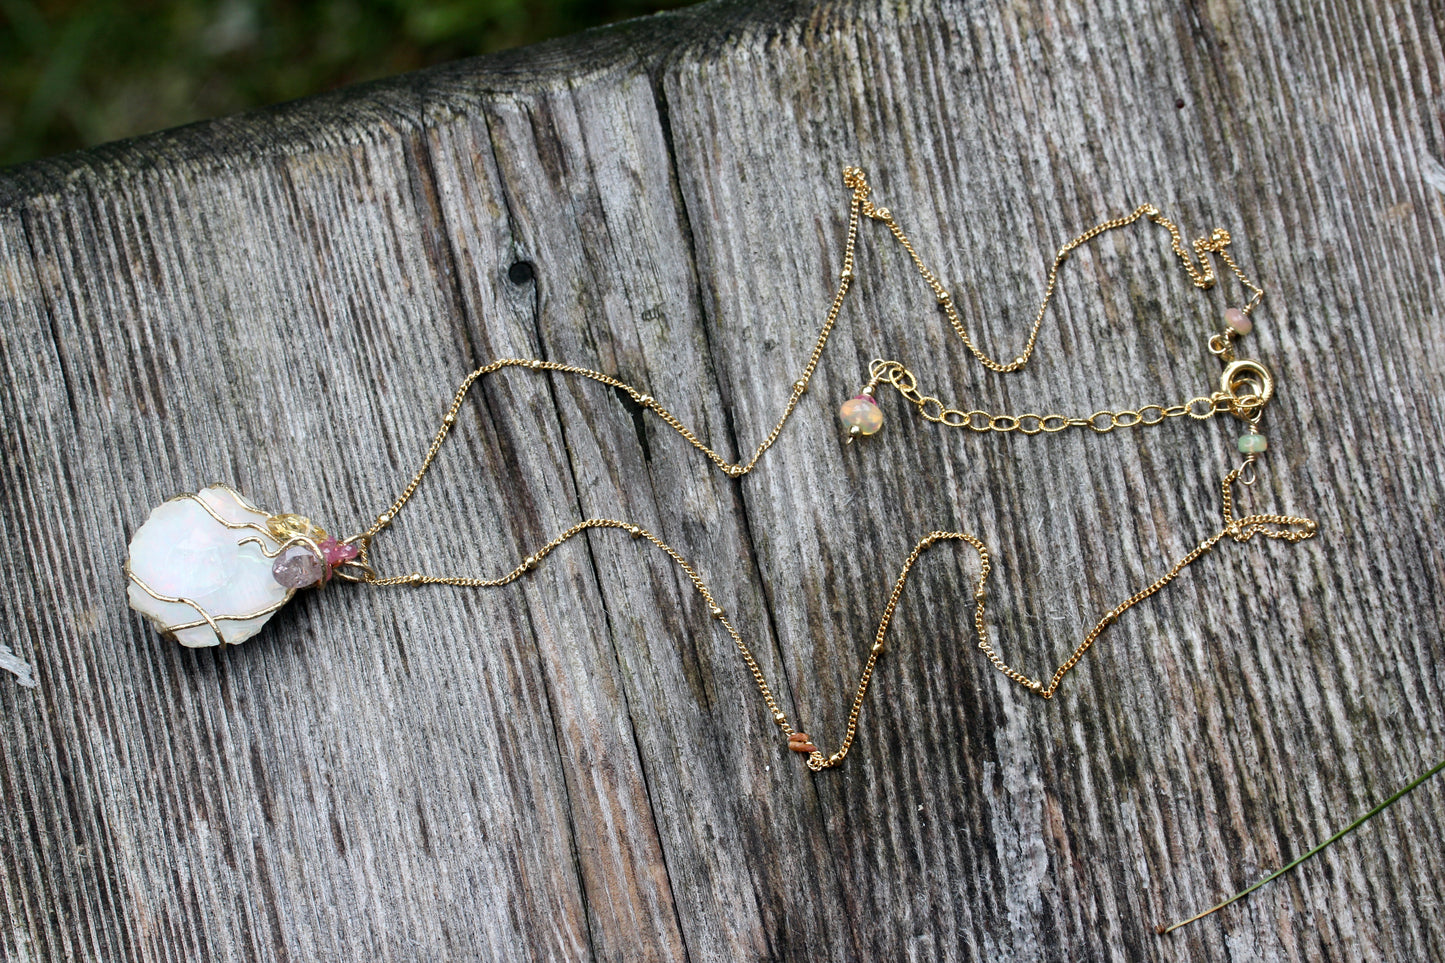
(1251, 378)
(861, 415)
(1237, 321)
(1252, 442)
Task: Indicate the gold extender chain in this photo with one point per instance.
(1245, 387)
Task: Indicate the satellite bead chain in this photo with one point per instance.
(302, 555)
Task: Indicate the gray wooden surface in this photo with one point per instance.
(577, 767)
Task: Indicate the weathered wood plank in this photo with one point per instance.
(578, 766)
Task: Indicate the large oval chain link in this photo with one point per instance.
(1200, 408)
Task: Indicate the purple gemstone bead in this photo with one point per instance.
(298, 567)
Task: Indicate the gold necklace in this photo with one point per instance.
(210, 568)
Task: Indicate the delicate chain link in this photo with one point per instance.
(1286, 527)
(732, 469)
(1200, 408)
(1245, 403)
(1199, 268)
(1201, 273)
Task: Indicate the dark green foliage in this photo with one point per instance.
(76, 73)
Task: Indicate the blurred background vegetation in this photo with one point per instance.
(74, 73)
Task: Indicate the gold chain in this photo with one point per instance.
(1200, 408)
(1201, 273)
(1244, 388)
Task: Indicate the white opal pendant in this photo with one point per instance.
(211, 568)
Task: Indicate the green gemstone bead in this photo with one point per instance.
(1252, 444)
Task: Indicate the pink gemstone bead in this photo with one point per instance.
(1238, 321)
(862, 413)
(338, 552)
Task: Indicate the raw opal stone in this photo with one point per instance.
(1238, 321)
(1252, 444)
(298, 567)
(183, 552)
(862, 413)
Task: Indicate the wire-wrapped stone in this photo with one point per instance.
(200, 569)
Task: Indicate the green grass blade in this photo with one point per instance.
(1162, 930)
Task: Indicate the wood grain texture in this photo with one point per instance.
(577, 766)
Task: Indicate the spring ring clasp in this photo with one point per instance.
(1247, 385)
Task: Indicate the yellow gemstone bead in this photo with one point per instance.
(862, 413)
